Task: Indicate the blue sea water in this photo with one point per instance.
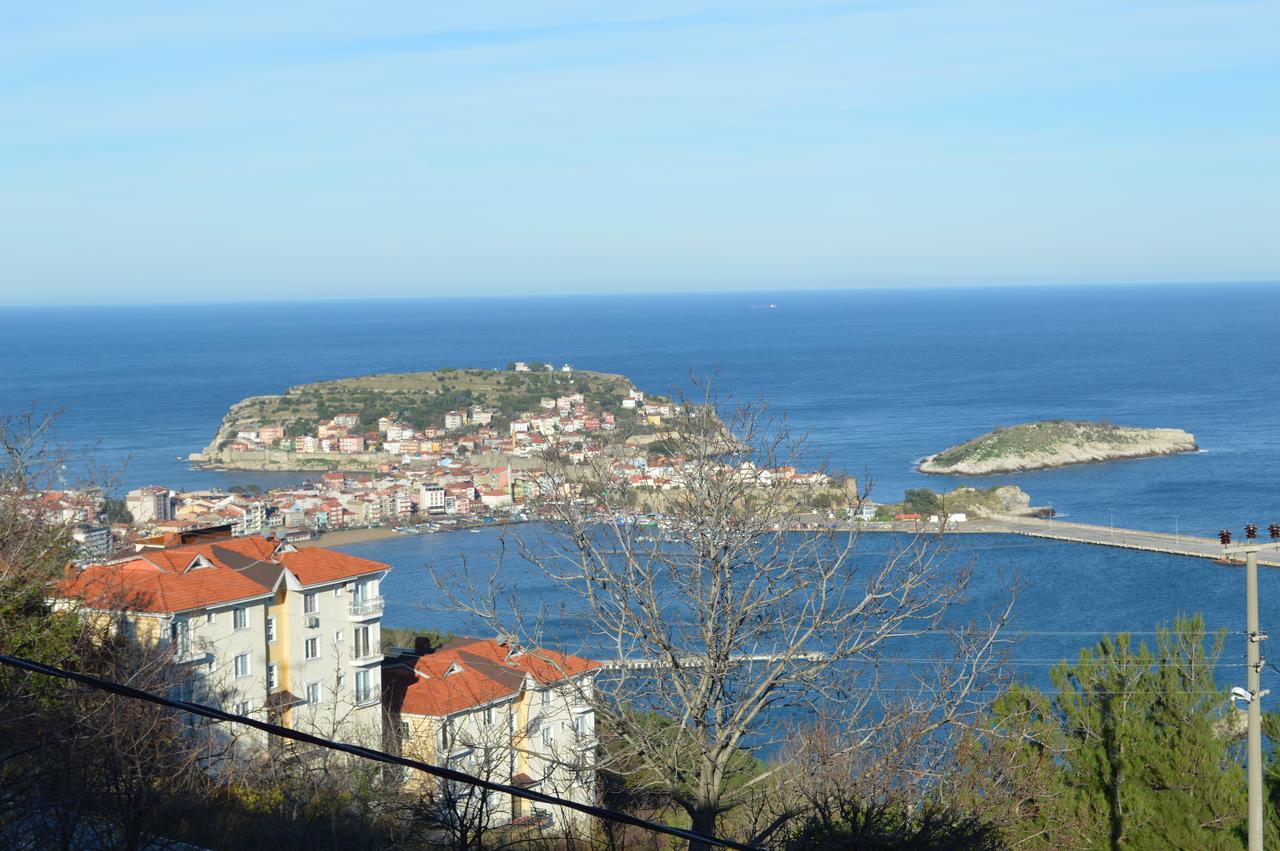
(875, 378)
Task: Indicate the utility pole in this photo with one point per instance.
(1254, 659)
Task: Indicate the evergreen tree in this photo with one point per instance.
(1140, 745)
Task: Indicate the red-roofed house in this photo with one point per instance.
(512, 715)
(291, 635)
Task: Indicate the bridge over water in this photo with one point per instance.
(1109, 536)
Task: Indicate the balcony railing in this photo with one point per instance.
(367, 607)
(362, 653)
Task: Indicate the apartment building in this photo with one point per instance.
(150, 504)
(263, 628)
(491, 709)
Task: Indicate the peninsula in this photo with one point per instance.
(1055, 443)
(421, 418)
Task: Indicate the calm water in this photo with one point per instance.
(876, 378)
(1067, 595)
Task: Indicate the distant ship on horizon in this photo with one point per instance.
(764, 307)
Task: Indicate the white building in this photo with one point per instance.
(486, 707)
(284, 634)
(150, 504)
(431, 499)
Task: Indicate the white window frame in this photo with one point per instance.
(339, 636)
(240, 618)
(548, 736)
(271, 629)
(311, 649)
(310, 603)
(318, 696)
(243, 707)
(247, 669)
(273, 676)
(210, 617)
(368, 686)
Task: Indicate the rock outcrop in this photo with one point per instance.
(1055, 443)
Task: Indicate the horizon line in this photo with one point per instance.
(635, 293)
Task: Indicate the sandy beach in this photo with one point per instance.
(343, 537)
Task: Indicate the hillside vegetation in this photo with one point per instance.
(421, 399)
(1055, 443)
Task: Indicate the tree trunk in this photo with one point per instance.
(703, 820)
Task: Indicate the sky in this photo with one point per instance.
(157, 152)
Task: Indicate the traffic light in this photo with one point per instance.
(1225, 537)
(1251, 531)
(1274, 529)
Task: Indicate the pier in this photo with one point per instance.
(1115, 536)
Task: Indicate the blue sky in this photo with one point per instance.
(174, 152)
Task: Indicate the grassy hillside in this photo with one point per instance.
(422, 398)
(1037, 438)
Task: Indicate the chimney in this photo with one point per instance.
(421, 645)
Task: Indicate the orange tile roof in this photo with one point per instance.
(314, 565)
(486, 672)
(164, 580)
(139, 585)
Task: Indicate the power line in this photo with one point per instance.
(367, 753)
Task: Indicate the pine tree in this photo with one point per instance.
(1140, 745)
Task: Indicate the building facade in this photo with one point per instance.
(505, 714)
(258, 626)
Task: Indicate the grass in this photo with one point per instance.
(1036, 439)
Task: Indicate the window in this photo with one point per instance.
(342, 681)
(242, 707)
(180, 636)
(546, 700)
(337, 636)
(242, 665)
(311, 648)
(363, 647)
(488, 716)
(240, 617)
(337, 591)
(310, 603)
(273, 676)
(313, 692)
(271, 628)
(362, 686)
(404, 731)
(547, 738)
(210, 617)
(580, 723)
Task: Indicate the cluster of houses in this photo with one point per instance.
(292, 635)
(462, 432)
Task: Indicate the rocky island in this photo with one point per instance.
(426, 418)
(1055, 443)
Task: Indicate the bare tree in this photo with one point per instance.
(727, 627)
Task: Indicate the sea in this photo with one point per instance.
(874, 379)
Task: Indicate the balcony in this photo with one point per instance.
(365, 654)
(370, 607)
(190, 653)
